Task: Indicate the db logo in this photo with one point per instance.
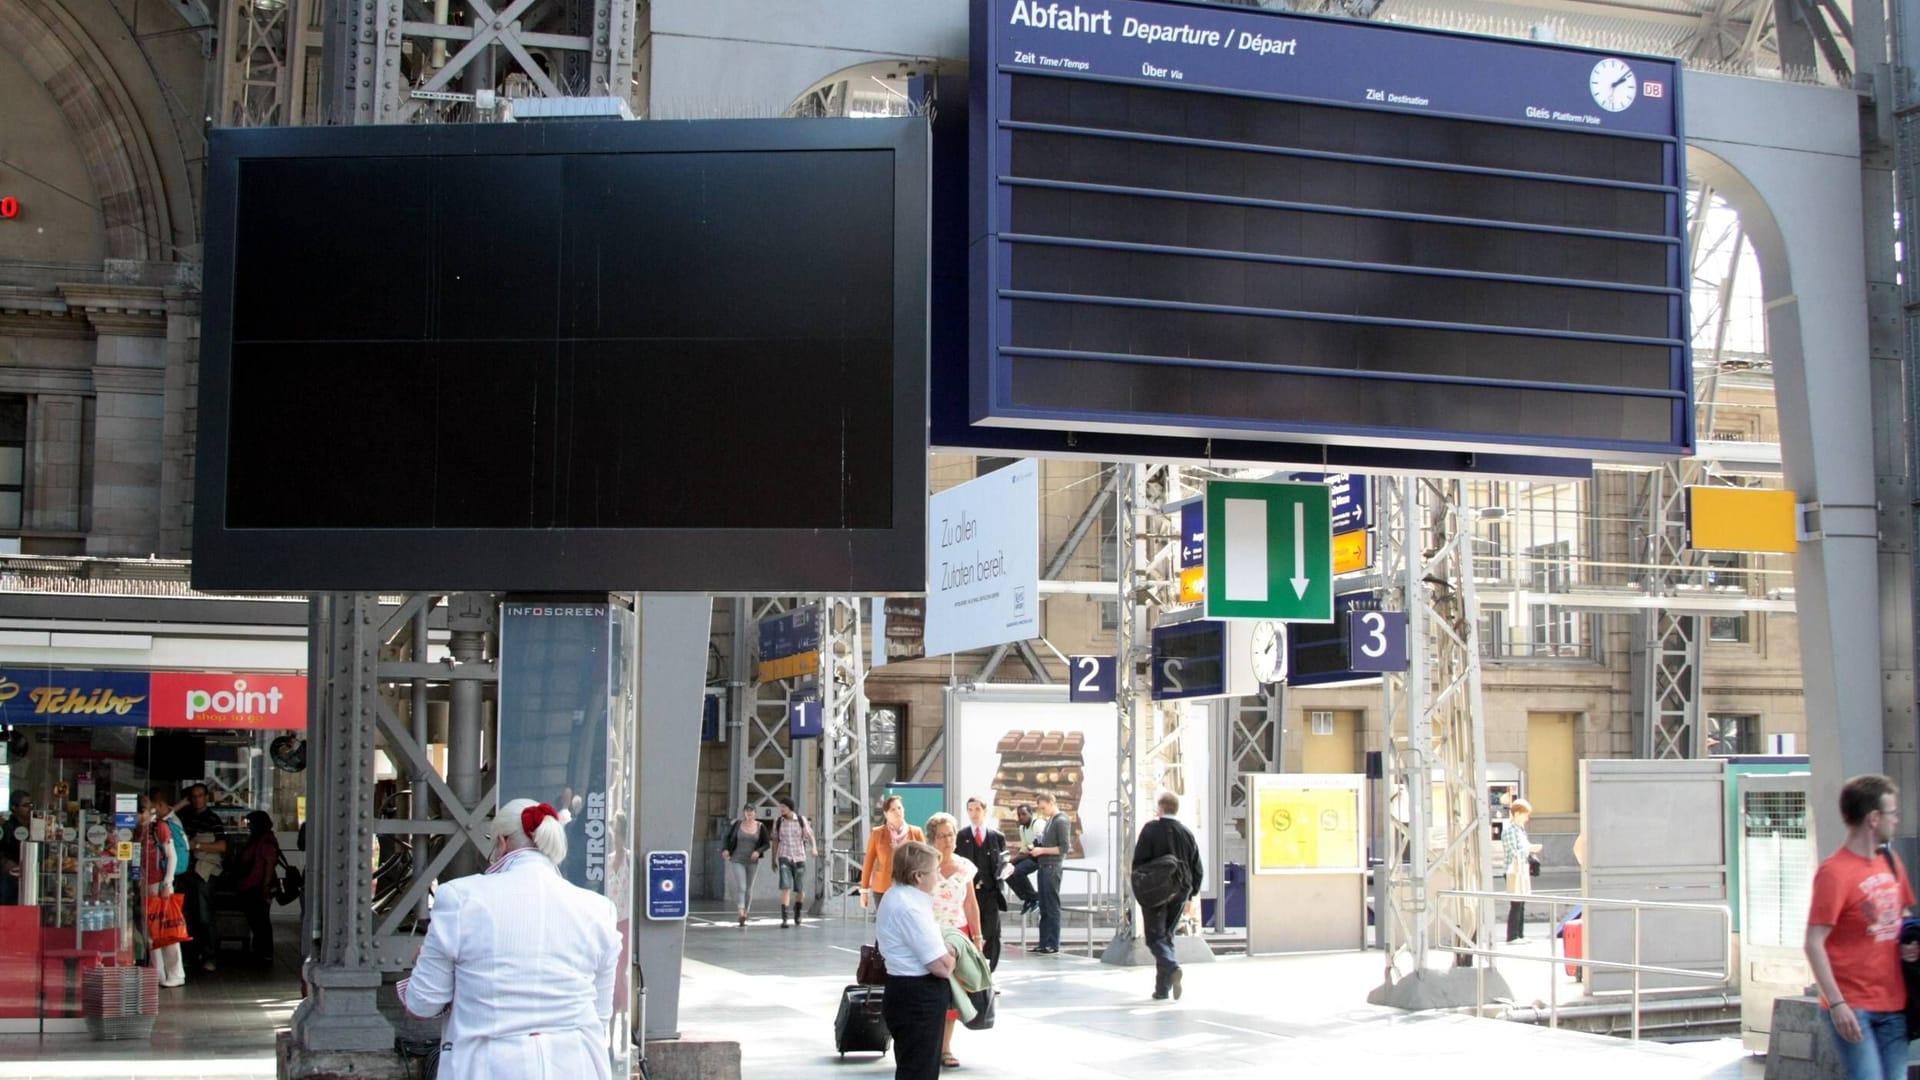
(1651, 89)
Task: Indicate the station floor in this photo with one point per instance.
(1068, 1017)
(1063, 1017)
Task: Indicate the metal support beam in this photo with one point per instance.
(844, 771)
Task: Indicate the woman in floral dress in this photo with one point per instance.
(954, 907)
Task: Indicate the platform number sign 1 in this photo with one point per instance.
(1094, 680)
(1377, 640)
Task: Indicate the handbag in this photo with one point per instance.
(287, 885)
(425, 1051)
(873, 967)
(982, 1009)
(166, 921)
(1533, 866)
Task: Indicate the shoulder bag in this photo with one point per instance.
(873, 966)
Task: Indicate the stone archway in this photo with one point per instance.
(106, 127)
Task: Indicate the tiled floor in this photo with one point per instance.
(1064, 1017)
(219, 1025)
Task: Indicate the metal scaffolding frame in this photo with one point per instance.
(362, 655)
(844, 772)
(1433, 721)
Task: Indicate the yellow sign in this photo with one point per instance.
(1306, 829)
(1193, 584)
(1741, 519)
(1352, 552)
(124, 851)
(789, 666)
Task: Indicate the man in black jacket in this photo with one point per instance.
(1162, 836)
(982, 845)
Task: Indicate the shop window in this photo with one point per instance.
(13, 460)
(1733, 733)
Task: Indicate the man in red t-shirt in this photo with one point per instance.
(1853, 933)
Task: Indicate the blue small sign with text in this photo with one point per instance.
(1193, 534)
(803, 719)
(1094, 681)
(667, 885)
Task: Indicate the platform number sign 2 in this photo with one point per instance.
(1377, 640)
(1093, 680)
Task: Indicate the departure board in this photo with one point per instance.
(1195, 221)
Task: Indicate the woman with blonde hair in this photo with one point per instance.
(954, 905)
(522, 961)
(876, 873)
(919, 963)
(1519, 854)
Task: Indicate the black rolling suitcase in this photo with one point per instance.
(859, 1027)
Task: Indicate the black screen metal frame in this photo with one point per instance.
(709, 560)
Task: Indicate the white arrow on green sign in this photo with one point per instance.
(1269, 551)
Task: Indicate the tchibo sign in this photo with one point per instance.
(193, 700)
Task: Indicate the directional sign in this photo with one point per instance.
(1094, 679)
(1269, 552)
(1377, 640)
(1352, 506)
(666, 885)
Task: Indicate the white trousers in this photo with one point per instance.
(577, 1054)
(172, 971)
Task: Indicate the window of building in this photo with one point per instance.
(13, 460)
(886, 742)
(1493, 633)
(1729, 629)
(1724, 569)
(1733, 733)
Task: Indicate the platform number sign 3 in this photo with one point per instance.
(1093, 681)
(1377, 640)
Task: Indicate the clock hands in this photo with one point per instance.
(1628, 77)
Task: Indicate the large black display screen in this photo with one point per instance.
(581, 356)
(1193, 221)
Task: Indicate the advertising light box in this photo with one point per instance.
(1198, 221)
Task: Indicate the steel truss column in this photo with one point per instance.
(1436, 740)
(768, 770)
(844, 774)
(262, 62)
(1668, 690)
(1133, 648)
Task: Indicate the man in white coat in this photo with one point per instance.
(525, 961)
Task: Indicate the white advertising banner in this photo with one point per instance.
(983, 561)
(1007, 752)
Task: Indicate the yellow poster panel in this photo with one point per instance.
(1307, 829)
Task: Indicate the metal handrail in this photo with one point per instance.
(1093, 897)
(1636, 967)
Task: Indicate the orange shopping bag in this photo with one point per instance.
(166, 920)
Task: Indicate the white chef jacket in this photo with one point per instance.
(528, 963)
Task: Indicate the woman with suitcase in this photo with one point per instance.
(919, 963)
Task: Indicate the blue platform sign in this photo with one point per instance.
(1230, 223)
(666, 885)
(1193, 534)
(1377, 640)
(804, 718)
(1352, 501)
(1093, 681)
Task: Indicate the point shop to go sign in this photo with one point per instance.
(250, 701)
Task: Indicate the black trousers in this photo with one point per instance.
(988, 899)
(916, 1013)
(197, 905)
(1516, 920)
(1157, 926)
(1020, 883)
(260, 927)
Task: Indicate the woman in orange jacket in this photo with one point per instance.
(876, 875)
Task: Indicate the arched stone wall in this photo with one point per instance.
(106, 127)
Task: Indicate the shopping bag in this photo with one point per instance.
(873, 967)
(167, 920)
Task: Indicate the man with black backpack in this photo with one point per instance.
(1166, 875)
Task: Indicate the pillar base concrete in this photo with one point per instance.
(692, 1059)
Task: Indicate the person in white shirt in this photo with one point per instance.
(918, 964)
(523, 962)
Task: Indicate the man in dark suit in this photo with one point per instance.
(1162, 836)
(983, 845)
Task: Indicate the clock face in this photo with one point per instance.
(1613, 84)
(1269, 649)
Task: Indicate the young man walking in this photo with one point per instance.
(983, 846)
(1853, 933)
(792, 839)
(1166, 836)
